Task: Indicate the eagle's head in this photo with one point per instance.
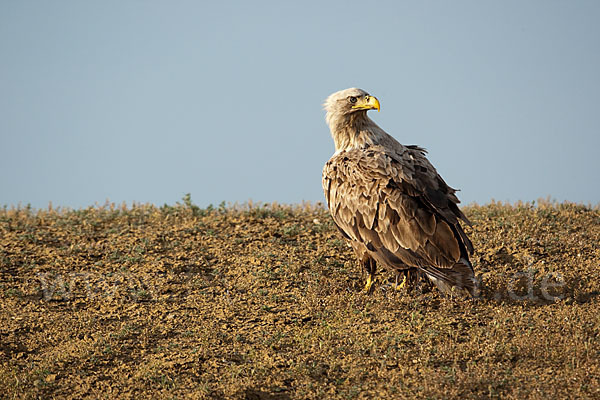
(348, 121)
(345, 103)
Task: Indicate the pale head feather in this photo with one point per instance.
(351, 128)
(336, 104)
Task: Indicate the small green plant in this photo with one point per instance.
(196, 211)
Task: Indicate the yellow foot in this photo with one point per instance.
(369, 284)
(402, 284)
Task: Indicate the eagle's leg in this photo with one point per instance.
(371, 267)
(403, 283)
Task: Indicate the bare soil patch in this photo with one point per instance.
(266, 303)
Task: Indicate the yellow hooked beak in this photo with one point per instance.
(367, 103)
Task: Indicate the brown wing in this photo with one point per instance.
(396, 204)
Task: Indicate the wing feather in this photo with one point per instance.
(445, 240)
(394, 203)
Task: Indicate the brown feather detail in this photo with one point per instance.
(460, 275)
(409, 235)
(399, 259)
(372, 217)
(454, 208)
(383, 211)
(327, 188)
(436, 257)
(465, 239)
(333, 188)
(426, 221)
(345, 215)
(368, 217)
(445, 241)
(385, 218)
(353, 231)
(368, 235)
(389, 241)
(408, 205)
(403, 236)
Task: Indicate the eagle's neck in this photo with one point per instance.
(354, 131)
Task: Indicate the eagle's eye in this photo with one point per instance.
(352, 99)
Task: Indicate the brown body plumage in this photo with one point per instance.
(389, 201)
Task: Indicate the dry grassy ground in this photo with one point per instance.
(266, 303)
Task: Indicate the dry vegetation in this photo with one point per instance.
(265, 302)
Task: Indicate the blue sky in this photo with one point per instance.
(148, 100)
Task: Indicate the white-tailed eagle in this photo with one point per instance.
(390, 202)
